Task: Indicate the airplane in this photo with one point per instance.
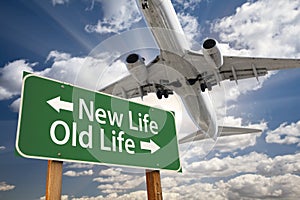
(189, 74)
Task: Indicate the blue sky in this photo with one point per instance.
(53, 38)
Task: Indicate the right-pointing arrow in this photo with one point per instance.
(58, 104)
(152, 146)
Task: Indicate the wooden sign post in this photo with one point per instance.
(154, 190)
(54, 180)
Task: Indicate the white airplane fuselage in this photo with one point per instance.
(169, 36)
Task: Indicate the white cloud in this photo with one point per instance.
(86, 72)
(252, 176)
(226, 96)
(187, 4)
(58, 56)
(224, 167)
(263, 28)
(190, 27)
(252, 163)
(110, 172)
(81, 173)
(116, 181)
(119, 15)
(136, 195)
(259, 187)
(59, 2)
(229, 144)
(89, 198)
(247, 186)
(233, 90)
(5, 187)
(15, 105)
(280, 165)
(77, 165)
(234, 143)
(63, 197)
(11, 78)
(121, 186)
(285, 134)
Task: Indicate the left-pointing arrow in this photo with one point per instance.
(58, 104)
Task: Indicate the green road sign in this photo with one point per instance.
(58, 121)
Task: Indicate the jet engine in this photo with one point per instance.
(137, 68)
(212, 54)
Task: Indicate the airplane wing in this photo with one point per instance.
(235, 68)
(127, 88)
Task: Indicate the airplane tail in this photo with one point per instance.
(223, 131)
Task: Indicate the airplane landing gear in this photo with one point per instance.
(202, 87)
(162, 93)
(205, 85)
(145, 4)
(166, 94)
(159, 94)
